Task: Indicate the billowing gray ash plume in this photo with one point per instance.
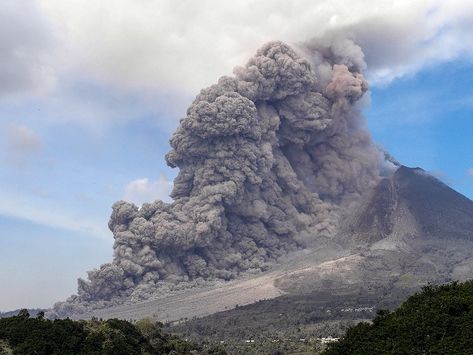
(266, 157)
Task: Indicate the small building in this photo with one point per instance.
(329, 339)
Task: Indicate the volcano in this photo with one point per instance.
(280, 190)
(412, 204)
(409, 230)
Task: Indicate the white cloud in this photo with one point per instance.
(19, 205)
(470, 172)
(142, 190)
(186, 45)
(21, 143)
(25, 44)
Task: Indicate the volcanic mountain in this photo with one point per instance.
(280, 190)
(412, 204)
(409, 230)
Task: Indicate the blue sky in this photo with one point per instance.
(426, 120)
(90, 95)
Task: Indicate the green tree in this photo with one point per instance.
(437, 320)
(23, 313)
(40, 315)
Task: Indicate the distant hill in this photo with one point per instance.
(410, 230)
(32, 311)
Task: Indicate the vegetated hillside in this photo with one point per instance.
(287, 324)
(24, 335)
(316, 314)
(438, 320)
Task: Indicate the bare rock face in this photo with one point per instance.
(375, 220)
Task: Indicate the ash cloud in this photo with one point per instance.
(266, 159)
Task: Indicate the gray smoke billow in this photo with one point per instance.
(266, 158)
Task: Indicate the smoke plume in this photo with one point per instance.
(266, 158)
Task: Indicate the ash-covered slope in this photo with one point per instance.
(412, 204)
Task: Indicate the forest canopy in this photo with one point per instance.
(22, 334)
(437, 320)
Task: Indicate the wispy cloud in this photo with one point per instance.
(14, 204)
(21, 143)
(143, 190)
(470, 172)
(26, 42)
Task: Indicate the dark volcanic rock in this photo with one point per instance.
(440, 211)
(374, 221)
(414, 203)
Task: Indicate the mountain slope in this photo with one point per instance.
(440, 211)
(412, 203)
(410, 230)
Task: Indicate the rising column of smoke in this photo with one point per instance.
(265, 158)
